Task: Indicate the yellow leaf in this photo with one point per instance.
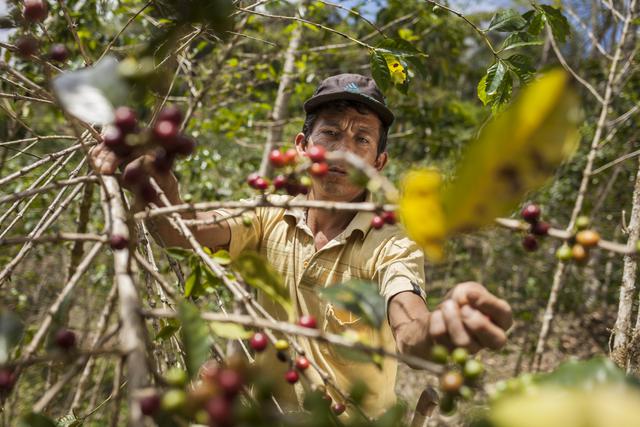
(516, 153)
(421, 211)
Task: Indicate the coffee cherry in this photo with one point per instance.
(163, 161)
(460, 356)
(439, 354)
(27, 46)
(65, 339)
(319, 169)
(540, 228)
(261, 184)
(564, 252)
(466, 392)
(317, 154)
(302, 363)
(389, 217)
(281, 345)
(7, 380)
(451, 382)
(291, 376)
(150, 404)
(377, 222)
(35, 10)
(58, 53)
(582, 222)
(174, 400)
(184, 146)
(133, 174)
(113, 137)
(277, 159)
(172, 114)
(307, 321)
(258, 341)
(209, 371)
(125, 119)
(219, 411)
(165, 132)
(579, 253)
(279, 182)
(338, 408)
(176, 377)
(290, 156)
(118, 241)
(251, 179)
(472, 369)
(530, 243)
(230, 382)
(282, 356)
(530, 213)
(447, 404)
(588, 238)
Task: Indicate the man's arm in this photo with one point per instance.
(213, 236)
(471, 317)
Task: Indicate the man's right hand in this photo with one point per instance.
(105, 160)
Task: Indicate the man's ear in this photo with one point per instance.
(301, 143)
(381, 161)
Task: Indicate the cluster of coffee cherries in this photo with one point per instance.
(460, 377)
(578, 246)
(386, 217)
(537, 228)
(259, 343)
(163, 139)
(64, 340)
(34, 12)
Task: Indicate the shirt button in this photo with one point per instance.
(305, 264)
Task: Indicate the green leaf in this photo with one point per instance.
(193, 283)
(11, 329)
(519, 39)
(257, 273)
(557, 21)
(179, 254)
(521, 66)
(482, 90)
(69, 420)
(33, 419)
(230, 331)
(507, 20)
(495, 75)
(195, 337)
(359, 297)
(170, 327)
(222, 257)
(380, 71)
(587, 374)
(536, 22)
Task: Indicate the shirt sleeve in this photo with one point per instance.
(245, 228)
(400, 269)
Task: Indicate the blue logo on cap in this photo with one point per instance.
(352, 87)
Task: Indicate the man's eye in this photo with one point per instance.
(329, 132)
(363, 140)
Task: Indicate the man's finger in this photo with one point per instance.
(482, 328)
(497, 309)
(438, 329)
(457, 333)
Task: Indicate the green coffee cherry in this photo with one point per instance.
(564, 253)
(447, 403)
(439, 354)
(176, 377)
(473, 369)
(466, 392)
(174, 400)
(460, 356)
(582, 222)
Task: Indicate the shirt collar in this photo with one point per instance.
(361, 222)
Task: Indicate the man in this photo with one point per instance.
(316, 248)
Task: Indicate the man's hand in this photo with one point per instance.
(469, 317)
(105, 160)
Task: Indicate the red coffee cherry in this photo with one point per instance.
(531, 213)
(290, 156)
(302, 363)
(291, 376)
(118, 241)
(125, 119)
(184, 146)
(35, 10)
(338, 408)
(27, 46)
(230, 382)
(65, 339)
(389, 217)
(319, 169)
(451, 382)
(258, 341)
(58, 53)
(317, 154)
(219, 410)
(307, 321)
(530, 243)
(277, 158)
(165, 132)
(7, 380)
(540, 228)
(377, 222)
(113, 137)
(163, 161)
(172, 114)
(150, 404)
(279, 182)
(261, 184)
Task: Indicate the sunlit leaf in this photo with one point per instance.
(515, 154)
(520, 39)
(257, 272)
(179, 253)
(557, 21)
(506, 20)
(11, 329)
(229, 331)
(380, 71)
(69, 420)
(195, 337)
(169, 328)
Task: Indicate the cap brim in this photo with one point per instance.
(385, 114)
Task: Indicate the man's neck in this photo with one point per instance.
(327, 221)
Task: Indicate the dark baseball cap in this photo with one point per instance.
(351, 87)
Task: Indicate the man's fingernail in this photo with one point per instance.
(98, 163)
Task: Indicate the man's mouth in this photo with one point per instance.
(337, 170)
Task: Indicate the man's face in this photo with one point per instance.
(346, 130)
